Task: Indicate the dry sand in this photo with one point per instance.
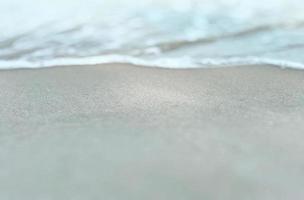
(119, 132)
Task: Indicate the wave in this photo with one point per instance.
(177, 44)
(176, 34)
(170, 63)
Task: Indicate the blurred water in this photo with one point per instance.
(172, 33)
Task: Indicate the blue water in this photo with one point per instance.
(172, 33)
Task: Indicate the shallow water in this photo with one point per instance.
(172, 33)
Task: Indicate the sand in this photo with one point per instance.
(115, 132)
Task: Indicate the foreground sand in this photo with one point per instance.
(122, 132)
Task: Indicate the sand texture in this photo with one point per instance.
(121, 132)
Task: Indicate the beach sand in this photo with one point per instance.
(116, 132)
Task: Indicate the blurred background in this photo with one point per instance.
(188, 33)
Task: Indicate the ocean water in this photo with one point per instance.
(155, 33)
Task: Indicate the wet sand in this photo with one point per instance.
(124, 132)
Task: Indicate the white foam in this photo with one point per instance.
(89, 32)
(172, 63)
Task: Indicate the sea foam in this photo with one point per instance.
(171, 34)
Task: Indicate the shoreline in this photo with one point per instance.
(121, 131)
(166, 64)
